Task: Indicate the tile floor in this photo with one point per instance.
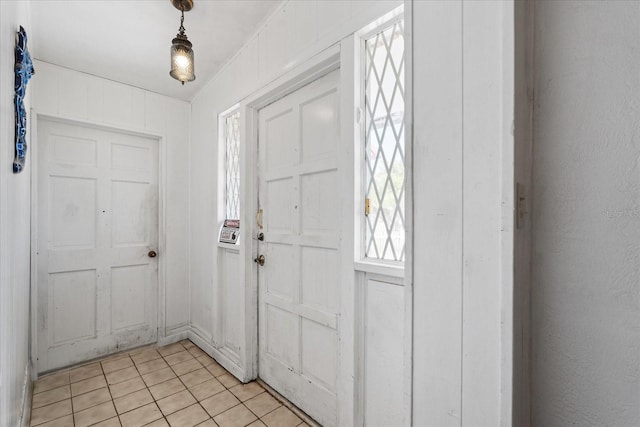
(177, 385)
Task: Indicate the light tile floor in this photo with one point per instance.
(178, 385)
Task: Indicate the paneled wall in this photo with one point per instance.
(14, 231)
(463, 206)
(69, 94)
(382, 340)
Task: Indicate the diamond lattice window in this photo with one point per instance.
(232, 165)
(384, 144)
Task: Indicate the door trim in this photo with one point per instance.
(36, 116)
(338, 56)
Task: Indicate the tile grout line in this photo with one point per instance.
(104, 375)
(293, 408)
(148, 388)
(216, 378)
(110, 395)
(183, 384)
(73, 413)
(187, 388)
(135, 365)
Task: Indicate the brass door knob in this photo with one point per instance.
(259, 260)
(152, 254)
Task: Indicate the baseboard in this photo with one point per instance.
(177, 334)
(224, 360)
(27, 395)
(180, 327)
(188, 332)
(201, 333)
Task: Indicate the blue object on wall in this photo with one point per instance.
(23, 72)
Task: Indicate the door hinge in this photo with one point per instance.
(367, 206)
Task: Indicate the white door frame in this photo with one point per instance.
(162, 161)
(338, 56)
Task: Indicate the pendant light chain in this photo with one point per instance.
(181, 29)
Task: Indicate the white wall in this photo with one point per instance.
(586, 214)
(463, 91)
(14, 231)
(77, 96)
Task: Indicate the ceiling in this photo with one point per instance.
(128, 41)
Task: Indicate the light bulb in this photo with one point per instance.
(182, 60)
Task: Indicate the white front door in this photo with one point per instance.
(299, 284)
(97, 223)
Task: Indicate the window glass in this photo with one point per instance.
(384, 144)
(232, 165)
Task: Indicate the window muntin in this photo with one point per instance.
(232, 165)
(384, 184)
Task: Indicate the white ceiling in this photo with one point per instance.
(129, 40)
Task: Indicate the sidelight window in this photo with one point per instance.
(384, 171)
(231, 133)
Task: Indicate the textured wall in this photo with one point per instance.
(586, 218)
(14, 229)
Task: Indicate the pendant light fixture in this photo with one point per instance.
(182, 67)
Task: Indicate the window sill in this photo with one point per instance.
(383, 269)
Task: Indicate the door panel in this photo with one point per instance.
(73, 202)
(299, 284)
(128, 297)
(97, 220)
(73, 296)
(129, 222)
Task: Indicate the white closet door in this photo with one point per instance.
(97, 226)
